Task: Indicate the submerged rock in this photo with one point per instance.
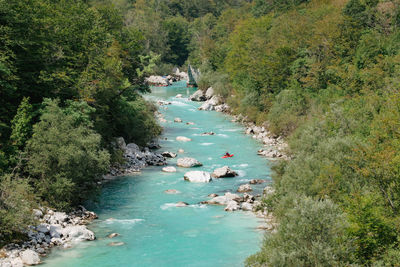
(188, 163)
(113, 235)
(181, 151)
(169, 169)
(223, 172)
(172, 191)
(198, 177)
(208, 133)
(116, 244)
(244, 188)
(181, 204)
(257, 181)
(183, 139)
(177, 120)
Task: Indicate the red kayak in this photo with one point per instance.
(230, 156)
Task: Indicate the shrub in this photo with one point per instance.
(64, 155)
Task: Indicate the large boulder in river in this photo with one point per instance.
(77, 233)
(198, 177)
(198, 96)
(223, 172)
(188, 163)
(29, 257)
(183, 139)
(209, 93)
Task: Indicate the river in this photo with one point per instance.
(154, 232)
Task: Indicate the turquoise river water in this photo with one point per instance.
(155, 232)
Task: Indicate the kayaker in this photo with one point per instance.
(227, 154)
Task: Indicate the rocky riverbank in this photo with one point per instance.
(176, 76)
(274, 146)
(55, 229)
(135, 158)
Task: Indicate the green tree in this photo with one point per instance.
(64, 155)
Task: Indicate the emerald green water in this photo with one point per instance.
(155, 232)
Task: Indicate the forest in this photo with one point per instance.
(321, 73)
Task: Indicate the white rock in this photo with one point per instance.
(181, 151)
(232, 206)
(244, 188)
(198, 96)
(188, 163)
(29, 257)
(223, 200)
(78, 233)
(178, 96)
(157, 80)
(198, 177)
(206, 106)
(169, 169)
(215, 100)
(209, 93)
(183, 139)
(247, 206)
(223, 172)
(37, 213)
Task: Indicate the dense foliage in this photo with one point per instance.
(71, 78)
(324, 74)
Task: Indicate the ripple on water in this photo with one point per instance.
(206, 144)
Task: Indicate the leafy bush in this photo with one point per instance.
(311, 233)
(16, 203)
(64, 154)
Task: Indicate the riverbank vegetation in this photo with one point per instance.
(324, 74)
(71, 74)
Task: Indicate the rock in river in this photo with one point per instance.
(169, 169)
(198, 177)
(168, 154)
(244, 188)
(113, 235)
(181, 204)
(172, 191)
(177, 120)
(183, 139)
(188, 163)
(232, 206)
(223, 172)
(198, 96)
